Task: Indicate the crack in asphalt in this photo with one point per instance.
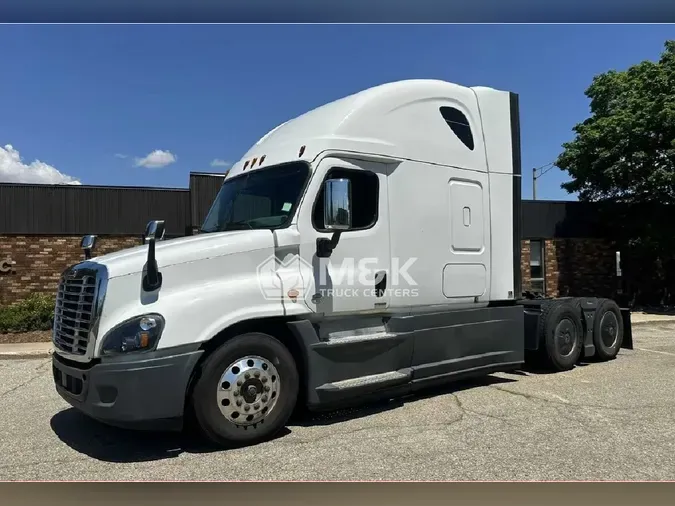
(532, 397)
(464, 409)
(29, 380)
(430, 426)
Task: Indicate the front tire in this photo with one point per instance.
(247, 390)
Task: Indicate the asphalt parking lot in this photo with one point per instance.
(601, 421)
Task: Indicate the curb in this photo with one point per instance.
(25, 351)
(653, 322)
(640, 318)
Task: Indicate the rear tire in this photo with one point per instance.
(607, 330)
(247, 390)
(561, 332)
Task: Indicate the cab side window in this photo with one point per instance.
(365, 198)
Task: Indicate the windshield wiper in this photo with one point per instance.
(236, 225)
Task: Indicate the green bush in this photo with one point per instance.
(33, 313)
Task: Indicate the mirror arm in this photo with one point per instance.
(325, 247)
(153, 278)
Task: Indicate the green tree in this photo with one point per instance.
(625, 150)
(624, 154)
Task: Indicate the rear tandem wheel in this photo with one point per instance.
(607, 329)
(561, 334)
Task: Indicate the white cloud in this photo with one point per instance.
(120, 155)
(157, 159)
(13, 170)
(220, 163)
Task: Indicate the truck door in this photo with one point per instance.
(354, 279)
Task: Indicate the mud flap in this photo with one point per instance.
(627, 329)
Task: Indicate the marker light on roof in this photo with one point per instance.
(253, 162)
(245, 165)
(262, 159)
(302, 151)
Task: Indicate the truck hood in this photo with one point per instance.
(185, 249)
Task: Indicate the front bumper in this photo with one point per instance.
(146, 391)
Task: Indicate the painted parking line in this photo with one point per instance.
(657, 351)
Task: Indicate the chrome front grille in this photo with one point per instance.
(75, 311)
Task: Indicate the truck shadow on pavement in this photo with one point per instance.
(111, 444)
(343, 415)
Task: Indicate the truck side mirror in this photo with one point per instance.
(152, 280)
(337, 211)
(87, 244)
(154, 231)
(337, 214)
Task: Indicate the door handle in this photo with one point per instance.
(380, 283)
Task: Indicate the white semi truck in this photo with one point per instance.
(363, 250)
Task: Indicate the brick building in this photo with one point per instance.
(570, 266)
(564, 251)
(567, 249)
(41, 225)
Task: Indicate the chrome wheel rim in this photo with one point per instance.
(248, 390)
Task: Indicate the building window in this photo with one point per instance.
(459, 124)
(537, 266)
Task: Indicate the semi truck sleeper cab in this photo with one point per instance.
(363, 250)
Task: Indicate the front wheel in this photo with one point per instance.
(247, 390)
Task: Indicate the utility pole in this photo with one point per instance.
(544, 169)
(534, 184)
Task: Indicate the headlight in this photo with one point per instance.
(140, 333)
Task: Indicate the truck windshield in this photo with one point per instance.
(263, 198)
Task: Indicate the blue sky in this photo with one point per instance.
(75, 97)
